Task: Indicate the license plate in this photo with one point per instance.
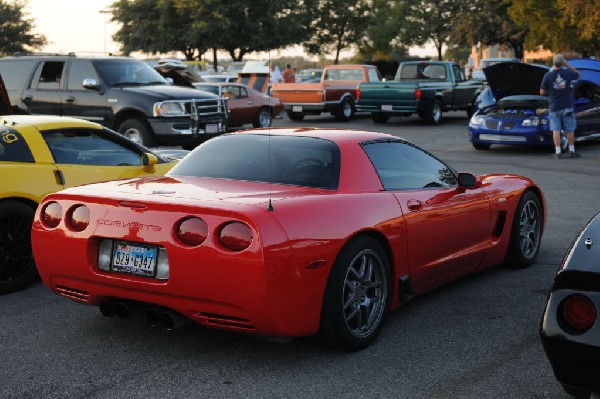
(386, 107)
(211, 128)
(296, 108)
(134, 259)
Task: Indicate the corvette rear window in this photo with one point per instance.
(13, 147)
(301, 161)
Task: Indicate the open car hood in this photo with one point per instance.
(588, 68)
(514, 78)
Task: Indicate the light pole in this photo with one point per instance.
(104, 28)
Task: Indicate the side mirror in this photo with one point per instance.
(149, 160)
(91, 84)
(468, 181)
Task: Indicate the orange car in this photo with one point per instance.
(335, 93)
(244, 104)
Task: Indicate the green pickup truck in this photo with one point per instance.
(427, 88)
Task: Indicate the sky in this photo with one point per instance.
(80, 26)
(73, 25)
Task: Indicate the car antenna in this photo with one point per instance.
(270, 207)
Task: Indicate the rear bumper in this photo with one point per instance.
(257, 291)
(389, 108)
(574, 363)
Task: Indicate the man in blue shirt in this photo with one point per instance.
(557, 85)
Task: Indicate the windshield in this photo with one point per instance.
(122, 72)
(300, 161)
(208, 88)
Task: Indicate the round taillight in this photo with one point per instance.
(79, 217)
(235, 236)
(192, 231)
(52, 214)
(579, 312)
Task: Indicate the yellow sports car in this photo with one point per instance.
(43, 154)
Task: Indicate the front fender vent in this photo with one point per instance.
(500, 222)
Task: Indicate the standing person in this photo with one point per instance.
(557, 85)
(289, 75)
(274, 76)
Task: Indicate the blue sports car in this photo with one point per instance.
(511, 110)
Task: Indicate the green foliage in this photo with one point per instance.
(154, 26)
(427, 21)
(338, 25)
(487, 22)
(381, 40)
(559, 25)
(244, 26)
(15, 29)
(454, 53)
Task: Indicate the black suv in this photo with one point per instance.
(121, 93)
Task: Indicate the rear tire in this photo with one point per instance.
(294, 116)
(263, 118)
(434, 114)
(17, 268)
(138, 130)
(378, 117)
(575, 392)
(344, 110)
(526, 232)
(357, 295)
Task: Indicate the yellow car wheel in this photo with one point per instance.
(17, 267)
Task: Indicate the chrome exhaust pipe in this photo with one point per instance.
(107, 310)
(172, 320)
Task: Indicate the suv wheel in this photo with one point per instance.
(138, 130)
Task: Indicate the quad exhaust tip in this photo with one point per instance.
(168, 319)
(155, 316)
(120, 309)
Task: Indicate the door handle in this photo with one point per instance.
(70, 99)
(414, 205)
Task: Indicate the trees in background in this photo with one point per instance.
(379, 29)
(15, 29)
(429, 21)
(154, 26)
(337, 25)
(559, 24)
(487, 22)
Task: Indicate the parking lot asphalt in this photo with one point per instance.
(474, 338)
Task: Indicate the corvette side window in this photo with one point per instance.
(88, 147)
(13, 147)
(402, 166)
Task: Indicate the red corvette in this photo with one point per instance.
(284, 233)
